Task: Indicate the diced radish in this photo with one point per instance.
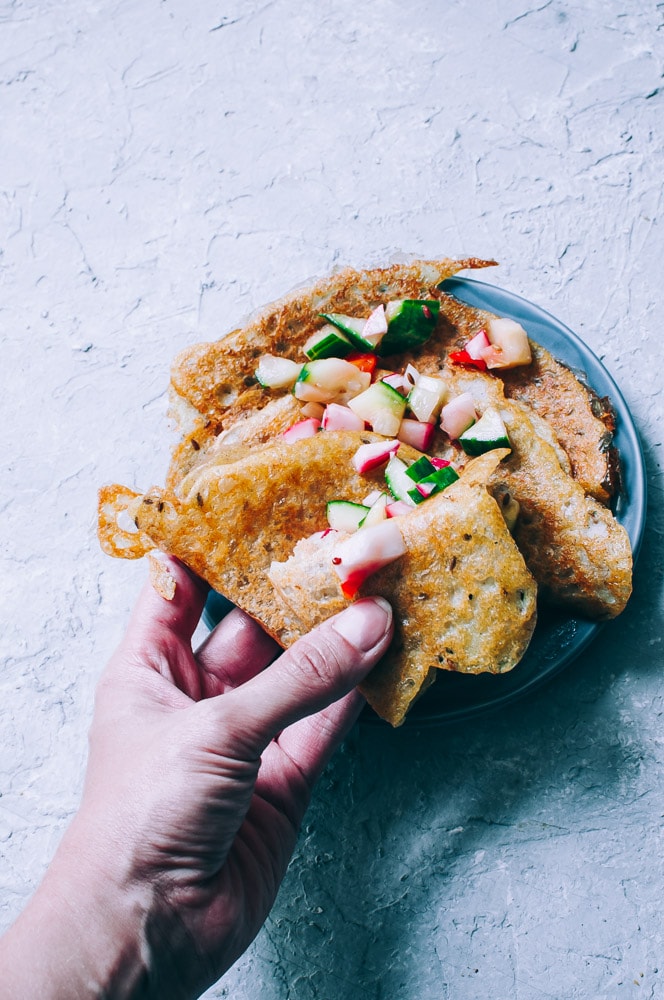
(370, 456)
(369, 550)
(509, 346)
(416, 434)
(398, 508)
(302, 429)
(316, 410)
(427, 397)
(439, 463)
(426, 489)
(375, 327)
(458, 415)
(477, 344)
(340, 418)
(277, 373)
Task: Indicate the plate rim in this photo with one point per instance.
(632, 510)
(634, 513)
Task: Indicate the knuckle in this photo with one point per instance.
(316, 663)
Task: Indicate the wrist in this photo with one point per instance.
(82, 934)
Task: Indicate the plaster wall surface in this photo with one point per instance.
(165, 169)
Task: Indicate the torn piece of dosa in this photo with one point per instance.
(575, 548)
(462, 596)
(235, 518)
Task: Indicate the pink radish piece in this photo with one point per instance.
(417, 434)
(458, 415)
(302, 429)
(370, 456)
(369, 550)
(341, 418)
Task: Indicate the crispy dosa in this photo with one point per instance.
(462, 596)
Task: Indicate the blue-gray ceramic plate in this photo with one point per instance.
(559, 637)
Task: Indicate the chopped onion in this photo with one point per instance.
(510, 343)
(277, 373)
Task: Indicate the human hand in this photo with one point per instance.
(200, 770)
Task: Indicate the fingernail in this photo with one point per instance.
(364, 623)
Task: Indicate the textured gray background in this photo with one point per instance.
(165, 168)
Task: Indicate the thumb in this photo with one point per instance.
(314, 672)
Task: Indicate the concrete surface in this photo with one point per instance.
(167, 167)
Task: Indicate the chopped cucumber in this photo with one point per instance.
(420, 469)
(343, 515)
(325, 379)
(377, 511)
(381, 406)
(352, 327)
(328, 342)
(398, 482)
(488, 433)
(427, 397)
(410, 322)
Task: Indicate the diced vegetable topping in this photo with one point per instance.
(381, 406)
(427, 397)
(343, 515)
(458, 415)
(429, 478)
(302, 429)
(510, 344)
(417, 434)
(377, 511)
(488, 433)
(397, 481)
(328, 342)
(375, 327)
(277, 373)
(328, 378)
(410, 322)
(369, 550)
(341, 418)
(462, 357)
(370, 456)
(352, 327)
